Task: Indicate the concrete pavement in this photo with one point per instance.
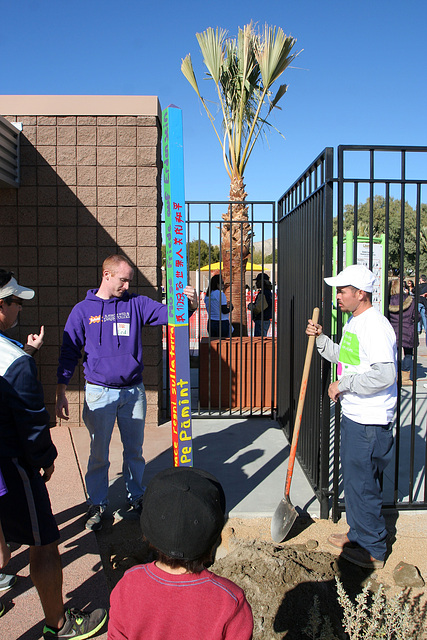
(248, 456)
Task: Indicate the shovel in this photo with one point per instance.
(285, 514)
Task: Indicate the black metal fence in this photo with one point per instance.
(304, 248)
(230, 375)
(374, 213)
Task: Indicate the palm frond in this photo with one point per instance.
(274, 54)
(188, 71)
(243, 70)
(211, 44)
(280, 93)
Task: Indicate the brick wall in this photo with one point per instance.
(90, 187)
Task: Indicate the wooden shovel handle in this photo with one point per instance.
(302, 393)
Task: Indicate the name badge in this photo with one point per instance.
(121, 328)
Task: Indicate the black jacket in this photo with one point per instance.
(24, 420)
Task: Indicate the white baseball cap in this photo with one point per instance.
(12, 288)
(356, 275)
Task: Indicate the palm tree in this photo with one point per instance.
(243, 71)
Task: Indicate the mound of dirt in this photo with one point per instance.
(280, 581)
(280, 584)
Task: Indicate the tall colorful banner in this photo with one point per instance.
(176, 275)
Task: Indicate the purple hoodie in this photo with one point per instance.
(110, 333)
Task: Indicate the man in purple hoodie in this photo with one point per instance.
(107, 326)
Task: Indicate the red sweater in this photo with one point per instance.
(150, 604)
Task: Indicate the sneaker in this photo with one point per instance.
(78, 624)
(361, 557)
(94, 517)
(6, 581)
(132, 510)
(136, 506)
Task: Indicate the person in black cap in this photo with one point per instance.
(262, 308)
(176, 596)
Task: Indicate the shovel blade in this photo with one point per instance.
(283, 519)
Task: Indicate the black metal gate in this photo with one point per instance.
(326, 222)
(233, 375)
(305, 246)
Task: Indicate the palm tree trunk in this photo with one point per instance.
(236, 236)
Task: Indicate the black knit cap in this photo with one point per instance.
(183, 512)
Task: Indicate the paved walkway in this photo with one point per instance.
(249, 457)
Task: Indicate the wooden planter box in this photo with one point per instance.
(247, 362)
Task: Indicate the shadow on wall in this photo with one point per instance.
(77, 205)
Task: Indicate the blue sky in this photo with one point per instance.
(360, 79)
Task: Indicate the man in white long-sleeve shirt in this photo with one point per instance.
(366, 361)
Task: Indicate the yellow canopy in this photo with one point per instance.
(216, 266)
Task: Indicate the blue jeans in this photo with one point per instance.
(103, 405)
(261, 327)
(214, 327)
(407, 359)
(365, 452)
(422, 324)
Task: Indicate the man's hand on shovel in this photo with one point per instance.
(333, 391)
(313, 329)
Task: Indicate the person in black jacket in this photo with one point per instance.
(408, 313)
(422, 304)
(27, 456)
(262, 308)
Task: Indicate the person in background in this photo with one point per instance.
(176, 596)
(410, 286)
(408, 320)
(218, 309)
(262, 307)
(422, 304)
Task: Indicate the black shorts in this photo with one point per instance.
(25, 510)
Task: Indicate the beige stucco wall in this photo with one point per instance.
(90, 187)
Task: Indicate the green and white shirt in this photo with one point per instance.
(368, 339)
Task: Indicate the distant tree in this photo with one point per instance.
(269, 259)
(258, 258)
(194, 249)
(394, 227)
(200, 248)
